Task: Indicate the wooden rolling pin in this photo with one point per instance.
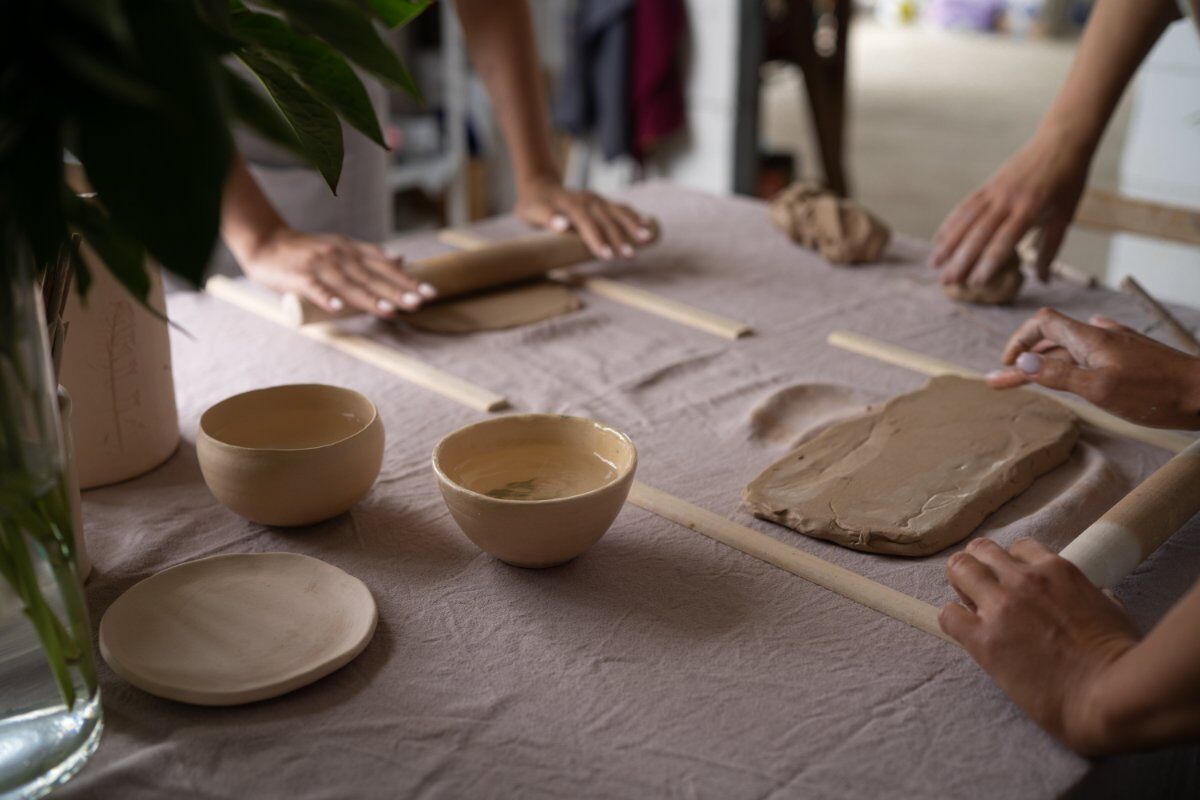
(1130, 531)
(464, 271)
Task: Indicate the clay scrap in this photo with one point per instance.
(496, 310)
(841, 230)
(1001, 288)
(919, 473)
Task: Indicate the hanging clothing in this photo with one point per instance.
(659, 27)
(594, 94)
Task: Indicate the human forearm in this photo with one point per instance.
(248, 219)
(1117, 38)
(1150, 696)
(500, 39)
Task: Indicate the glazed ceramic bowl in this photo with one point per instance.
(291, 455)
(535, 490)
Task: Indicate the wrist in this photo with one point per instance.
(532, 181)
(1070, 135)
(1097, 717)
(251, 245)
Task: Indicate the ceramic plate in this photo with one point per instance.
(237, 628)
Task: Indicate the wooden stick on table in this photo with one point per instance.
(1130, 286)
(1175, 441)
(386, 358)
(631, 296)
(919, 614)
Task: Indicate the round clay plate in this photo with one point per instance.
(237, 628)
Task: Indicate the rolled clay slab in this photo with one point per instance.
(919, 473)
(841, 230)
(496, 310)
(1002, 289)
(233, 629)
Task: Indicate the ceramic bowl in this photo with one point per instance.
(535, 490)
(291, 455)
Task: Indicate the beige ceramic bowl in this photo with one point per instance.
(535, 490)
(291, 455)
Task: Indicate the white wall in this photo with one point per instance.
(1161, 162)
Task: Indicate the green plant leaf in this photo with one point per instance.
(316, 126)
(31, 176)
(351, 32)
(317, 66)
(123, 255)
(160, 172)
(398, 13)
(262, 116)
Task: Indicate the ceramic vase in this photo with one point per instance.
(117, 369)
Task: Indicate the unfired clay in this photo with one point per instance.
(117, 367)
(291, 455)
(1001, 289)
(921, 472)
(841, 230)
(496, 310)
(535, 490)
(237, 628)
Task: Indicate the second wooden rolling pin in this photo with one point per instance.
(463, 271)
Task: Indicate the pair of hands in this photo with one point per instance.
(1038, 188)
(337, 272)
(1032, 620)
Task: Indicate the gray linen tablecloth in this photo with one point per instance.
(660, 663)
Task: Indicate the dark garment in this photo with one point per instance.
(658, 110)
(595, 89)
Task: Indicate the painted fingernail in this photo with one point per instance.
(606, 252)
(627, 250)
(336, 303)
(995, 375)
(1029, 363)
(386, 306)
(645, 234)
(410, 299)
(559, 223)
(427, 291)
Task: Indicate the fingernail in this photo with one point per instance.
(645, 234)
(995, 375)
(627, 250)
(559, 222)
(427, 291)
(1029, 363)
(410, 299)
(386, 306)
(606, 252)
(336, 303)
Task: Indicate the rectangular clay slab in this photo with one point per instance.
(920, 472)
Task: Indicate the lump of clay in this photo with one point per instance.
(1001, 288)
(841, 230)
(496, 310)
(919, 473)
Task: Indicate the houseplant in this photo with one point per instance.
(142, 92)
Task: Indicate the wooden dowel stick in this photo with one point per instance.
(410, 369)
(1129, 285)
(633, 297)
(897, 605)
(1174, 441)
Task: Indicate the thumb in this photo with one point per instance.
(1054, 373)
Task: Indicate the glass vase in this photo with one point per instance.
(50, 717)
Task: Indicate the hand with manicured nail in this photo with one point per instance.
(610, 229)
(334, 272)
(1115, 367)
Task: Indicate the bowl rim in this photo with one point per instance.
(621, 476)
(264, 389)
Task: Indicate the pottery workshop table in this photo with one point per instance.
(660, 663)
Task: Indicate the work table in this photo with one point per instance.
(660, 663)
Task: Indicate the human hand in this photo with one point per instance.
(1115, 367)
(332, 270)
(609, 229)
(1042, 631)
(1039, 186)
